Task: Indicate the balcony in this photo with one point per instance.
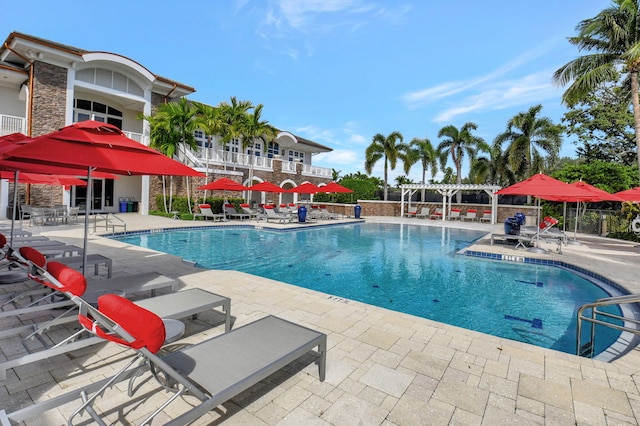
(10, 124)
(233, 159)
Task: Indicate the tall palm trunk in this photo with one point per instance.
(385, 179)
(636, 110)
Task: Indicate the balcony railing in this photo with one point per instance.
(10, 124)
(215, 156)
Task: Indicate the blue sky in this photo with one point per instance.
(339, 71)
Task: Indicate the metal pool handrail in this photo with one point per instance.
(588, 348)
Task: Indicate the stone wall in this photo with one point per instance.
(49, 98)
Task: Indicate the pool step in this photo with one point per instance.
(586, 350)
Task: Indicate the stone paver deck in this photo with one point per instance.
(383, 367)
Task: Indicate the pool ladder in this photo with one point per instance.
(630, 325)
(111, 221)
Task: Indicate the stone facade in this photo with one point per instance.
(49, 98)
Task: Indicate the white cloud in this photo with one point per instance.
(528, 90)
(340, 157)
(429, 95)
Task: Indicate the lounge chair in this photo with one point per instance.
(280, 217)
(424, 212)
(411, 211)
(247, 210)
(546, 230)
(213, 371)
(230, 211)
(207, 213)
(469, 215)
(437, 214)
(72, 284)
(454, 214)
(94, 260)
(327, 214)
(486, 216)
(520, 240)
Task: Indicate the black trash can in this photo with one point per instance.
(135, 206)
(302, 214)
(357, 209)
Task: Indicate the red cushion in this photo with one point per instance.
(244, 205)
(144, 326)
(268, 207)
(205, 206)
(33, 255)
(71, 280)
(3, 240)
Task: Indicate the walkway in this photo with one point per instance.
(383, 367)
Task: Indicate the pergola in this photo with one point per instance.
(448, 191)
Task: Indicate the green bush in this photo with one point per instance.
(180, 205)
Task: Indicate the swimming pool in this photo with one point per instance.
(407, 268)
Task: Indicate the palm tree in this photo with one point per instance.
(613, 36)
(387, 147)
(456, 144)
(493, 170)
(209, 120)
(421, 150)
(253, 129)
(527, 134)
(232, 117)
(172, 128)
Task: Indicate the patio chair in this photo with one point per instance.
(280, 217)
(546, 230)
(437, 214)
(424, 212)
(327, 214)
(71, 215)
(411, 212)
(25, 212)
(455, 214)
(73, 285)
(469, 215)
(231, 212)
(207, 213)
(486, 216)
(212, 371)
(247, 210)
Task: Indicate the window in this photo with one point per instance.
(273, 149)
(89, 110)
(296, 155)
(111, 79)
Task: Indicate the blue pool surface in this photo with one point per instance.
(406, 268)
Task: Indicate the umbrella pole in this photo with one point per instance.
(15, 200)
(86, 221)
(537, 248)
(575, 228)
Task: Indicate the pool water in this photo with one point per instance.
(406, 268)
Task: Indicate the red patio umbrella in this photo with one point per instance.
(632, 194)
(335, 187)
(544, 187)
(96, 146)
(595, 195)
(43, 179)
(223, 184)
(13, 140)
(305, 188)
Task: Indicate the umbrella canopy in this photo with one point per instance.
(223, 184)
(335, 187)
(305, 188)
(266, 187)
(545, 187)
(42, 179)
(100, 146)
(93, 145)
(595, 194)
(632, 194)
